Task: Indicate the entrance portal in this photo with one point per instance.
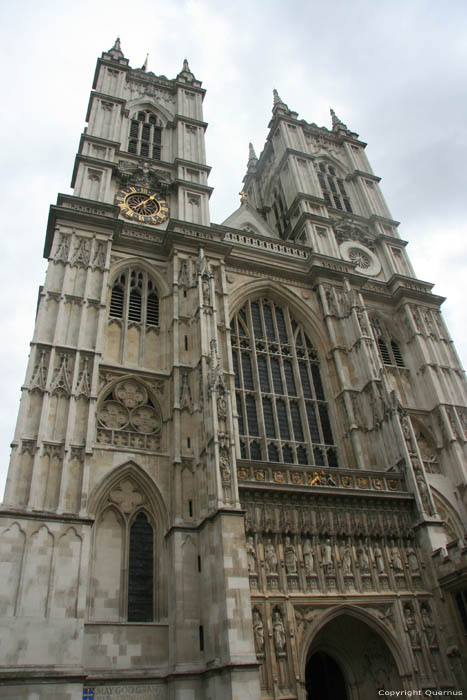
(348, 659)
(324, 679)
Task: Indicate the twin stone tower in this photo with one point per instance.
(239, 465)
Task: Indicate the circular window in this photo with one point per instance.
(365, 261)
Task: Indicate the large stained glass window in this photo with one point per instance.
(282, 411)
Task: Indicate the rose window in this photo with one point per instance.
(359, 258)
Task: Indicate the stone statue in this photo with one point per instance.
(411, 625)
(412, 561)
(347, 560)
(396, 559)
(270, 557)
(379, 560)
(363, 561)
(290, 556)
(326, 552)
(308, 557)
(258, 631)
(278, 632)
(429, 626)
(251, 555)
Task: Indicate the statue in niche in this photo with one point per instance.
(411, 625)
(412, 560)
(379, 560)
(396, 558)
(347, 558)
(326, 553)
(429, 625)
(278, 632)
(251, 555)
(363, 561)
(308, 557)
(290, 556)
(270, 557)
(258, 631)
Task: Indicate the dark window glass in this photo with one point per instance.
(281, 325)
(305, 380)
(287, 454)
(263, 374)
(241, 426)
(140, 571)
(312, 424)
(273, 452)
(325, 424)
(255, 450)
(247, 373)
(268, 418)
(269, 322)
(283, 422)
(251, 416)
(235, 368)
(296, 422)
(383, 349)
(276, 375)
(289, 378)
(256, 321)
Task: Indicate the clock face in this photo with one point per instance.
(140, 204)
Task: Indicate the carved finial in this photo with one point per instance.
(116, 50)
(337, 123)
(251, 153)
(243, 197)
(276, 98)
(145, 64)
(186, 67)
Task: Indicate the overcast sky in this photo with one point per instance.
(394, 71)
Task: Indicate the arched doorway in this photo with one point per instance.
(349, 659)
(324, 678)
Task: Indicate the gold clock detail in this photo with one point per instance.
(140, 204)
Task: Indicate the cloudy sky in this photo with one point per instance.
(394, 71)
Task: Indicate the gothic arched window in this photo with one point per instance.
(388, 347)
(140, 570)
(134, 298)
(332, 187)
(282, 411)
(145, 135)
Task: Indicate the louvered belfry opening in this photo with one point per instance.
(282, 410)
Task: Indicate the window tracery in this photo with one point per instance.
(134, 298)
(389, 349)
(282, 410)
(332, 187)
(145, 135)
(128, 417)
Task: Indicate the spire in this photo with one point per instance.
(251, 154)
(276, 99)
(280, 106)
(337, 124)
(186, 73)
(144, 67)
(116, 50)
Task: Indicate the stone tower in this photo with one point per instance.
(239, 465)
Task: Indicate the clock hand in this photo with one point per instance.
(145, 201)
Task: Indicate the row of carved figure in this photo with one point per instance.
(411, 624)
(351, 553)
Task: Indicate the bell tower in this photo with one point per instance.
(123, 541)
(238, 471)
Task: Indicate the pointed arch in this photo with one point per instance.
(453, 525)
(277, 292)
(370, 620)
(281, 398)
(130, 519)
(132, 471)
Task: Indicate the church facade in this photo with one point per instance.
(239, 466)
